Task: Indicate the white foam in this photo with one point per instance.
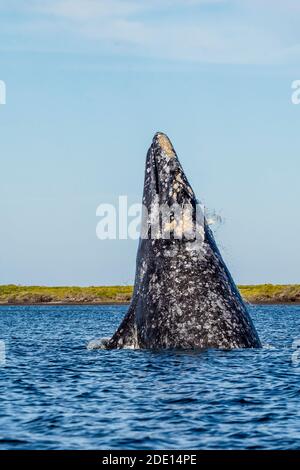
(268, 346)
(99, 343)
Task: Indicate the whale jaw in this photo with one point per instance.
(184, 296)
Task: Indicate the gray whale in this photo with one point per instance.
(184, 296)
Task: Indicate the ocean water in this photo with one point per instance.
(57, 394)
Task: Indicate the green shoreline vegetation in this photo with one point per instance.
(30, 295)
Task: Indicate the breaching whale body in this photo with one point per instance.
(184, 296)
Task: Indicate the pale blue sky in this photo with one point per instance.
(88, 84)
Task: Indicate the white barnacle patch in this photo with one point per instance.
(170, 226)
(196, 248)
(178, 310)
(182, 224)
(220, 304)
(154, 218)
(143, 269)
(178, 178)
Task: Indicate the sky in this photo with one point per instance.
(88, 83)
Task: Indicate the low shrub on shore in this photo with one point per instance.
(13, 294)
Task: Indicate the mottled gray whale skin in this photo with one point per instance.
(184, 296)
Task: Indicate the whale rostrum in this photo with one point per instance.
(184, 296)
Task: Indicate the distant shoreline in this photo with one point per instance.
(262, 294)
(58, 304)
(114, 304)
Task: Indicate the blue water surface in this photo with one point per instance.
(57, 394)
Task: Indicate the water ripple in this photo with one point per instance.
(57, 394)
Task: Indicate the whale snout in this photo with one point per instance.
(163, 144)
(169, 180)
